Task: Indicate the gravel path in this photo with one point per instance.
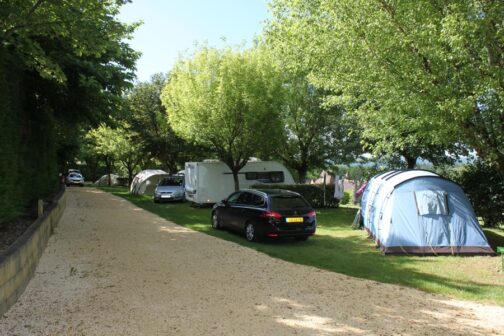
(114, 269)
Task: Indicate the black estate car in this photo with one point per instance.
(266, 213)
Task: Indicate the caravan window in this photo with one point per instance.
(276, 177)
(431, 202)
(266, 177)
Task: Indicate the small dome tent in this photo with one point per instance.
(104, 180)
(145, 181)
(420, 212)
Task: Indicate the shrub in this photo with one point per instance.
(313, 193)
(485, 188)
(346, 198)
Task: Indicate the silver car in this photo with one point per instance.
(74, 179)
(170, 189)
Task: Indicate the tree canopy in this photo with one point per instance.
(64, 66)
(148, 118)
(418, 74)
(227, 100)
(119, 144)
(317, 135)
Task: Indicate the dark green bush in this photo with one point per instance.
(314, 194)
(485, 188)
(28, 168)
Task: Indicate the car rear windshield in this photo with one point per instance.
(288, 202)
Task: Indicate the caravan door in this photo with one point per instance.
(191, 181)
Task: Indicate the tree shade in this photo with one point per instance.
(63, 66)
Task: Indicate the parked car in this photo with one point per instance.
(74, 178)
(269, 213)
(170, 189)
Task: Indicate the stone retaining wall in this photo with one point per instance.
(18, 262)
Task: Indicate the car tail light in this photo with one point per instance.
(271, 214)
(312, 214)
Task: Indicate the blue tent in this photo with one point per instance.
(419, 212)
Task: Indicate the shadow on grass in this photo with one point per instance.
(339, 249)
(494, 238)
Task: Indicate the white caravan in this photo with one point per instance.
(212, 181)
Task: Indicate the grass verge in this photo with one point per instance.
(338, 248)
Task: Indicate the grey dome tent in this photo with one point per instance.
(145, 181)
(420, 212)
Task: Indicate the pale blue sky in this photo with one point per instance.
(172, 27)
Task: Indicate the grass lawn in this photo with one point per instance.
(338, 248)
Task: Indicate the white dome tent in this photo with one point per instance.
(104, 180)
(145, 181)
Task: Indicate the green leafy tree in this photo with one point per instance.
(316, 134)
(116, 145)
(32, 26)
(148, 118)
(419, 75)
(226, 100)
(64, 65)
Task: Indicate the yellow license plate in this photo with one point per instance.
(294, 219)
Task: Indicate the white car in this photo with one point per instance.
(74, 179)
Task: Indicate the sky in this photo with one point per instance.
(172, 27)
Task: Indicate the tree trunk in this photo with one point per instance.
(170, 166)
(302, 174)
(130, 175)
(109, 165)
(235, 179)
(410, 160)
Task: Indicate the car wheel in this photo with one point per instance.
(251, 232)
(302, 238)
(215, 221)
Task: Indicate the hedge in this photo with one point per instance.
(28, 165)
(485, 188)
(313, 193)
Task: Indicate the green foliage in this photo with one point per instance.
(63, 66)
(346, 198)
(421, 77)
(313, 193)
(116, 145)
(148, 118)
(84, 29)
(359, 172)
(336, 247)
(316, 134)
(485, 188)
(226, 100)
(11, 202)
